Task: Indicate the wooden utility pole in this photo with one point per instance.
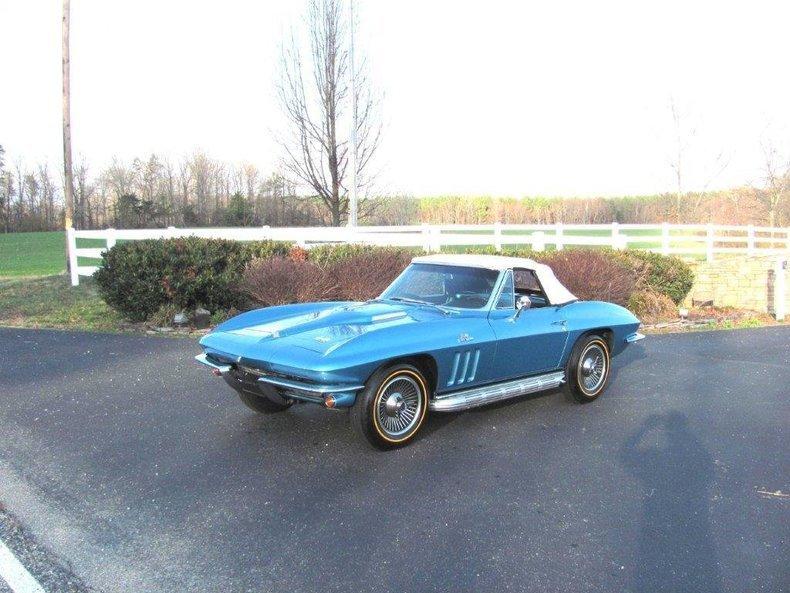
(67, 168)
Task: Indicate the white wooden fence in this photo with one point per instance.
(679, 239)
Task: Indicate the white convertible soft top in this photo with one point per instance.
(555, 291)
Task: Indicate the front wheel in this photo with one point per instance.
(588, 368)
(392, 407)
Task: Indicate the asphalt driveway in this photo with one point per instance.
(125, 466)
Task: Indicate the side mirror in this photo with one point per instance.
(522, 303)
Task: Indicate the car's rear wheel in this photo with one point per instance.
(262, 404)
(391, 409)
(589, 365)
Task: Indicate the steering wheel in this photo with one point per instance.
(469, 295)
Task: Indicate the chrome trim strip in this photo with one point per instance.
(480, 396)
(474, 365)
(456, 358)
(308, 387)
(634, 337)
(462, 376)
(222, 368)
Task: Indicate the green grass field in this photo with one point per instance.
(38, 254)
(32, 254)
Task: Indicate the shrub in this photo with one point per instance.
(366, 275)
(163, 317)
(592, 275)
(664, 274)
(280, 281)
(357, 275)
(254, 249)
(138, 277)
(651, 306)
(326, 255)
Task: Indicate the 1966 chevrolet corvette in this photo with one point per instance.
(450, 333)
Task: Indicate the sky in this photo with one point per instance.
(497, 98)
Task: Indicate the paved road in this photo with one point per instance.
(138, 471)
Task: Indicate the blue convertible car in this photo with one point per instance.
(450, 333)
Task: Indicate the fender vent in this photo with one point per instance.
(464, 367)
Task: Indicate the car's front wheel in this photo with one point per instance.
(587, 373)
(392, 407)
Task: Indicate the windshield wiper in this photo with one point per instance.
(444, 310)
(408, 300)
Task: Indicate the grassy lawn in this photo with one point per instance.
(32, 254)
(51, 301)
(38, 254)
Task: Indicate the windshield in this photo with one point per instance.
(448, 286)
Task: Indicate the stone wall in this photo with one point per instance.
(745, 282)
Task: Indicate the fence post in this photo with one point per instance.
(780, 286)
(426, 237)
(558, 242)
(110, 239)
(498, 236)
(665, 238)
(436, 239)
(539, 241)
(709, 243)
(750, 239)
(72, 243)
(618, 241)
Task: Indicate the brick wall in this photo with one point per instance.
(745, 282)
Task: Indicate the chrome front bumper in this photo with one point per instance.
(634, 337)
(222, 368)
(342, 395)
(292, 385)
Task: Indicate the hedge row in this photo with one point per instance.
(139, 278)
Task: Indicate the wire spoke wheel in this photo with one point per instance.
(391, 409)
(399, 406)
(593, 367)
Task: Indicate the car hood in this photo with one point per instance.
(321, 330)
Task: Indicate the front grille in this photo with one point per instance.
(250, 370)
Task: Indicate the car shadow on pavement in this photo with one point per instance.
(675, 547)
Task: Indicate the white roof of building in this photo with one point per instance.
(555, 291)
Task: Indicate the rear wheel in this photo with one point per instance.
(262, 404)
(392, 407)
(587, 373)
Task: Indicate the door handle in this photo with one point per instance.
(562, 322)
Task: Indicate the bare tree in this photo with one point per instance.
(5, 193)
(776, 171)
(316, 101)
(681, 138)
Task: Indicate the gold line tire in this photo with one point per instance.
(391, 409)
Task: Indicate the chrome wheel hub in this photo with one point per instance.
(400, 405)
(394, 404)
(588, 366)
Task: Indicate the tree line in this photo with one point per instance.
(199, 190)
(154, 192)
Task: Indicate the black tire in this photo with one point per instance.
(389, 412)
(261, 403)
(588, 369)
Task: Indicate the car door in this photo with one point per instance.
(531, 341)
